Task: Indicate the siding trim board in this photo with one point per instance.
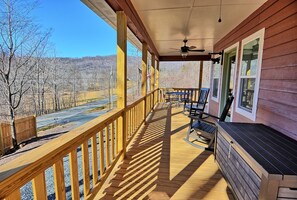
(278, 80)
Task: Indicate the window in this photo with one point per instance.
(249, 75)
(216, 70)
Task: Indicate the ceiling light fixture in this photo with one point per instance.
(184, 54)
(220, 18)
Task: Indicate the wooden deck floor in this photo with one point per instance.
(161, 165)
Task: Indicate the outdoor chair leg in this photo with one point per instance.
(189, 130)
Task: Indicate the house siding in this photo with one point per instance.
(277, 99)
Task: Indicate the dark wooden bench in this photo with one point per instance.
(257, 161)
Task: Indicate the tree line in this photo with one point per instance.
(32, 79)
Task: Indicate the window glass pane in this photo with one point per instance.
(247, 93)
(215, 87)
(216, 70)
(250, 58)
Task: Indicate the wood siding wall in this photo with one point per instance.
(277, 99)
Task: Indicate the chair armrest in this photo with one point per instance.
(205, 120)
(194, 102)
(197, 117)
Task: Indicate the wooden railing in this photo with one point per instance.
(93, 148)
(193, 91)
(25, 129)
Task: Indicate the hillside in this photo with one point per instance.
(59, 83)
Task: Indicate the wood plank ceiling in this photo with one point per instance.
(165, 23)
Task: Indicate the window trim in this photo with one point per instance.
(251, 115)
(227, 51)
(216, 99)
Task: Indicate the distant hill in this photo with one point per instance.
(58, 83)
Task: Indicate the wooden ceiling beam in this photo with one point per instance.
(134, 23)
(188, 58)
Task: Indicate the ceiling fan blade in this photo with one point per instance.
(192, 47)
(175, 49)
(197, 50)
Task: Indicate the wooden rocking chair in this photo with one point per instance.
(206, 129)
(195, 107)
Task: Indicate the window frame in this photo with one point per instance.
(250, 115)
(216, 99)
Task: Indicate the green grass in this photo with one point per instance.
(96, 109)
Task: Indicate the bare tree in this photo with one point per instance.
(75, 83)
(20, 38)
(55, 83)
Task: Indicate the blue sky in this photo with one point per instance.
(76, 30)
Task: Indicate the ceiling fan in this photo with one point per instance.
(184, 50)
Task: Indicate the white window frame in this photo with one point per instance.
(251, 115)
(216, 99)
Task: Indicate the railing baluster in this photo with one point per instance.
(59, 180)
(139, 117)
(94, 159)
(74, 174)
(107, 146)
(101, 154)
(127, 123)
(133, 119)
(112, 140)
(130, 123)
(117, 136)
(39, 187)
(16, 195)
(86, 168)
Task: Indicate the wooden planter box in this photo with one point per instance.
(257, 161)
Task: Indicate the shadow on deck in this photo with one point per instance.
(161, 165)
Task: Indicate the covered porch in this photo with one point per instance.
(160, 164)
(138, 150)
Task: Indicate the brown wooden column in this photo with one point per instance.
(144, 77)
(153, 72)
(122, 76)
(144, 70)
(157, 81)
(200, 74)
(157, 73)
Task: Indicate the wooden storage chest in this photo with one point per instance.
(257, 161)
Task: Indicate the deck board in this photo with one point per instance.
(161, 165)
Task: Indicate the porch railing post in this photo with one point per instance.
(122, 77)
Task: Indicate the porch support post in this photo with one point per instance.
(153, 61)
(157, 80)
(122, 77)
(157, 73)
(153, 72)
(200, 74)
(144, 76)
(144, 70)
